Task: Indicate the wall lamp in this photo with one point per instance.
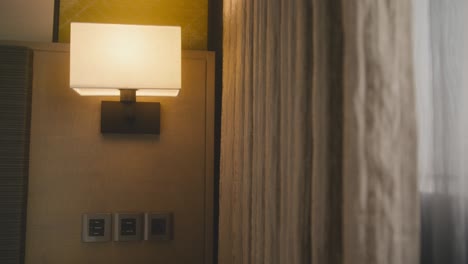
(126, 61)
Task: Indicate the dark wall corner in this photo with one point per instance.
(215, 43)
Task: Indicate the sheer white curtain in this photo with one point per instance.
(440, 31)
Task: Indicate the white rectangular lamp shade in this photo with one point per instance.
(105, 58)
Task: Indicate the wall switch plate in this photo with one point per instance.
(96, 228)
(158, 226)
(128, 226)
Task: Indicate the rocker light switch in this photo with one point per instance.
(128, 227)
(96, 228)
(158, 226)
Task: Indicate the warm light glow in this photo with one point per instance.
(107, 57)
(116, 92)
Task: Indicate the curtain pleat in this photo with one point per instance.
(266, 133)
(271, 138)
(327, 103)
(381, 208)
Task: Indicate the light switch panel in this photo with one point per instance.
(128, 226)
(96, 227)
(158, 226)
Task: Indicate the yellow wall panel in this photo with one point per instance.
(191, 15)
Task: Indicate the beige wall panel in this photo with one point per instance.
(75, 169)
(26, 20)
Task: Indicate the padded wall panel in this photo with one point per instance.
(15, 112)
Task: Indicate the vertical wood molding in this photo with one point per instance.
(15, 116)
(209, 156)
(215, 43)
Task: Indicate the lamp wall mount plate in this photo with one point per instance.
(130, 118)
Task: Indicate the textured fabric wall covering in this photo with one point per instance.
(15, 111)
(191, 15)
(318, 154)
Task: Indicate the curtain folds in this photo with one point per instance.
(318, 154)
(381, 202)
(266, 132)
(327, 103)
(440, 70)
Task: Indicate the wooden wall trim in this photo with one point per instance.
(209, 58)
(209, 156)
